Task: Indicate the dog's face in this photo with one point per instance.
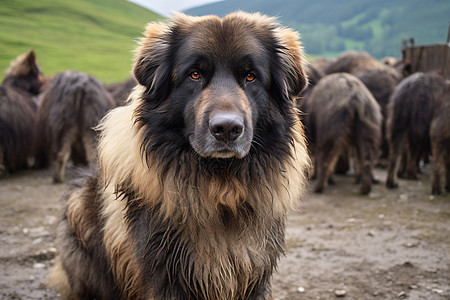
(219, 86)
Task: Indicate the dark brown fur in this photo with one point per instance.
(314, 75)
(341, 114)
(354, 62)
(68, 111)
(440, 145)
(382, 82)
(22, 81)
(121, 90)
(410, 111)
(196, 172)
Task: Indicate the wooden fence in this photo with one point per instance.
(427, 57)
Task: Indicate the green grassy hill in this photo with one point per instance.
(97, 37)
(329, 27)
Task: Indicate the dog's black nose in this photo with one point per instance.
(226, 126)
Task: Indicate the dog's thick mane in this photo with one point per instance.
(184, 178)
(209, 196)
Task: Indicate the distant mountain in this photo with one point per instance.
(329, 27)
(97, 37)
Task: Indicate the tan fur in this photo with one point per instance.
(77, 219)
(57, 280)
(119, 134)
(119, 247)
(294, 52)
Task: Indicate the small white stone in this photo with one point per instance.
(38, 266)
(340, 293)
(401, 295)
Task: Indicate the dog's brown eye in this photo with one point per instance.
(250, 77)
(195, 75)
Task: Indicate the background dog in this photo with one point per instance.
(197, 172)
(440, 144)
(409, 116)
(68, 111)
(23, 80)
(343, 117)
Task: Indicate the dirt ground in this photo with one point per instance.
(392, 244)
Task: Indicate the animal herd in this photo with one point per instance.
(45, 121)
(369, 112)
(358, 112)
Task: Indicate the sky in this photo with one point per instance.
(167, 7)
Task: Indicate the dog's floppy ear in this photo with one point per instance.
(291, 74)
(152, 66)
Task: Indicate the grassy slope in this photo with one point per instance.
(96, 37)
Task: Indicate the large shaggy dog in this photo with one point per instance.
(342, 115)
(23, 80)
(196, 173)
(68, 111)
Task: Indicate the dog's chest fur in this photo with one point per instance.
(217, 258)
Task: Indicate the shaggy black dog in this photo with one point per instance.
(197, 172)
